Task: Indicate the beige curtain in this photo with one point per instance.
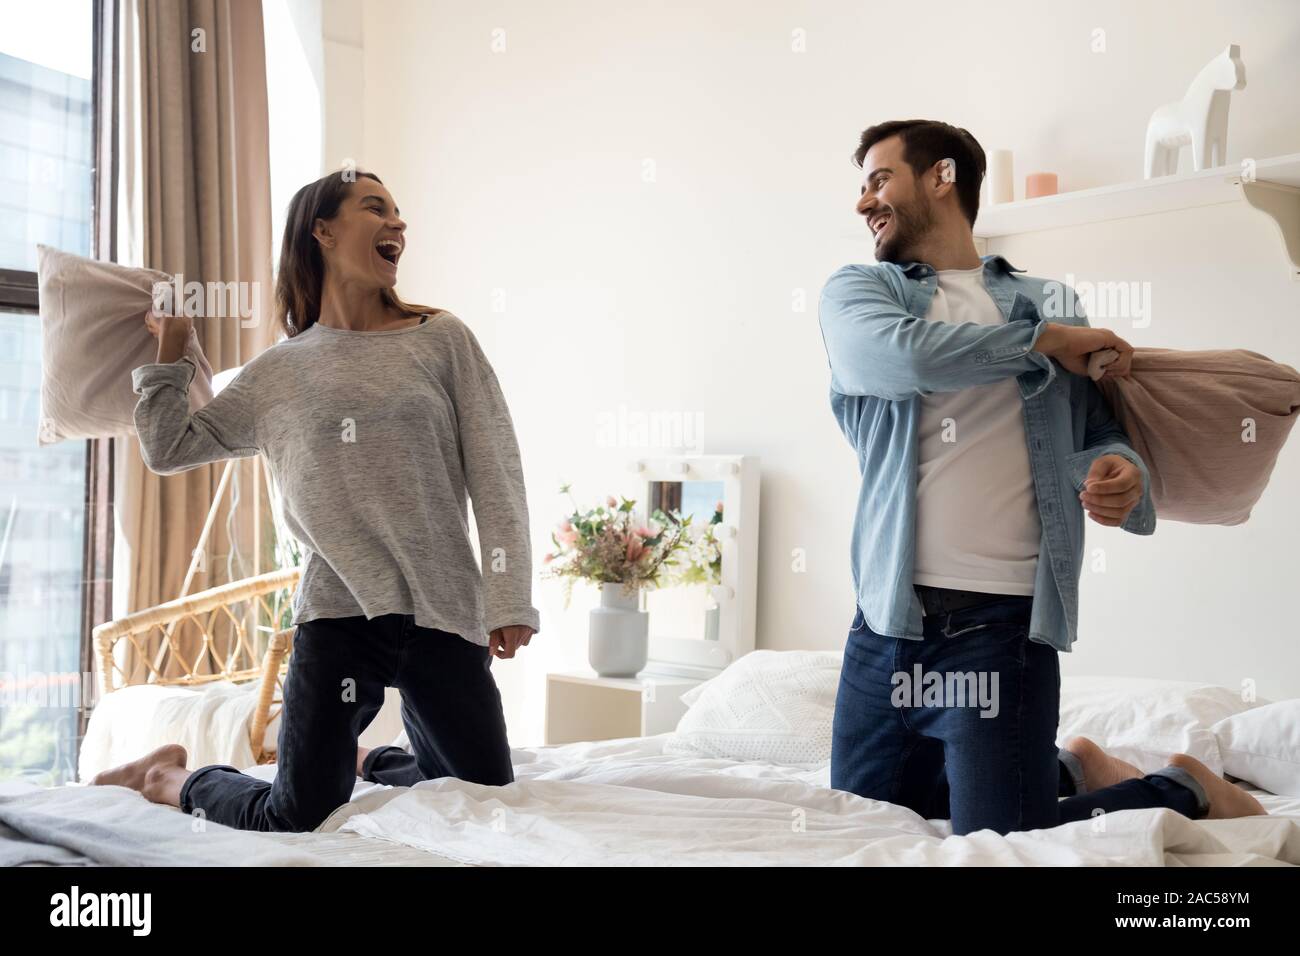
(194, 198)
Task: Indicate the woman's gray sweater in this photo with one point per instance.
(373, 438)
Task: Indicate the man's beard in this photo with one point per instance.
(910, 223)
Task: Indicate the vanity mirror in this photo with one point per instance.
(698, 628)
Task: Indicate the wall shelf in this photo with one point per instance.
(1275, 192)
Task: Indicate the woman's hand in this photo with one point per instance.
(160, 322)
(504, 641)
(171, 331)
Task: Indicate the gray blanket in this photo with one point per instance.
(116, 826)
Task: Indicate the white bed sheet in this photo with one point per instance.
(626, 802)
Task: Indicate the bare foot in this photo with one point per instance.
(362, 752)
(157, 775)
(1100, 769)
(1227, 801)
(133, 774)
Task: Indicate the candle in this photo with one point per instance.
(1040, 184)
(1002, 184)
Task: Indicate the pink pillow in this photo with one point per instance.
(93, 335)
(1185, 414)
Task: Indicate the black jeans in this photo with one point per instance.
(338, 670)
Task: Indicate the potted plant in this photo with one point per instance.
(613, 546)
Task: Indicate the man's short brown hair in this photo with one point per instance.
(925, 142)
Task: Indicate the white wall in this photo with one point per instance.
(295, 79)
(344, 81)
(522, 174)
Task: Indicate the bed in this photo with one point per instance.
(628, 802)
(743, 780)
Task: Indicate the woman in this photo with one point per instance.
(375, 417)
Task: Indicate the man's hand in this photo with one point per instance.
(504, 641)
(1111, 490)
(1072, 344)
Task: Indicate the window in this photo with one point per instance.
(46, 183)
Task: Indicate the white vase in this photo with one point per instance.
(619, 640)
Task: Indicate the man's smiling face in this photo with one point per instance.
(897, 212)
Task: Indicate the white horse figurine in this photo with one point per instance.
(1199, 119)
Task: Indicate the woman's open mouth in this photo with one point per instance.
(390, 250)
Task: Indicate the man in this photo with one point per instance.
(981, 440)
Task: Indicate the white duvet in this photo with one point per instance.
(626, 802)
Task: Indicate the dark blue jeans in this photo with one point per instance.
(338, 670)
(962, 726)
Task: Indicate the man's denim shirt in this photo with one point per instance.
(884, 355)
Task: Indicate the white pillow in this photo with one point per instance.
(211, 722)
(778, 706)
(1262, 746)
(1144, 720)
(770, 706)
(92, 336)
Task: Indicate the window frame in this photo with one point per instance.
(19, 293)
(98, 524)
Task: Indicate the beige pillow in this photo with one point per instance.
(93, 335)
(1186, 416)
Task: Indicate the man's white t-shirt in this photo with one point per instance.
(977, 524)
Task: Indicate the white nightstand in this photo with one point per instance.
(582, 706)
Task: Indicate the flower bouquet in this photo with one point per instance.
(614, 547)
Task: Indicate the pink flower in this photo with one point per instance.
(644, 531)
(566, 534)
(718, 506)
(611, 502)
(548, 558)
(635, 548)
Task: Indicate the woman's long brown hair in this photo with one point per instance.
(302, 268)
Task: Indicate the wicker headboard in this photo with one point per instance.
(235, 632)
